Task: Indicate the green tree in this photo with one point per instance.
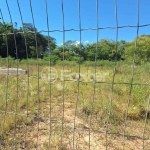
(142, 51)
(70, 50)
(19, 49)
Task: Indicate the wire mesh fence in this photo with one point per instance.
(71, 106)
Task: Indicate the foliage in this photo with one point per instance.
(31, 45)
(28, 45)
(103, 50)
(34, 97)
(142, 50)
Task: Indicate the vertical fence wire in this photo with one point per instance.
(132, 78)
(95, 68)
(50, 113)
(38, 71)
(114, 74)
(7, 79)
(79, 70)
(63, 90)
(27, 94)
(17, 64)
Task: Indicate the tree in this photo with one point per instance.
(142, 51)
(36, 43)
(70, 50)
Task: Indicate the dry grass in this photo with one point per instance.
(92, 111)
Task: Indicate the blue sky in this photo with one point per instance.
(127, 15)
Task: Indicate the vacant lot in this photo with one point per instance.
(51, 107)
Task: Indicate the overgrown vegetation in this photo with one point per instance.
(21, 95)
(27, 101)
(23, 46)
(31, 45)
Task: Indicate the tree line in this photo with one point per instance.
(31, 45)
(22, 46)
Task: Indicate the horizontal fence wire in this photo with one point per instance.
(84, 29)
(123, 135)
(76, 128)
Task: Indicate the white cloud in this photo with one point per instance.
(86, 42)
(76, 43)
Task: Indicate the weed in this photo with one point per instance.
(95, 101)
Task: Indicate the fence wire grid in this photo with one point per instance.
(63, 119)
